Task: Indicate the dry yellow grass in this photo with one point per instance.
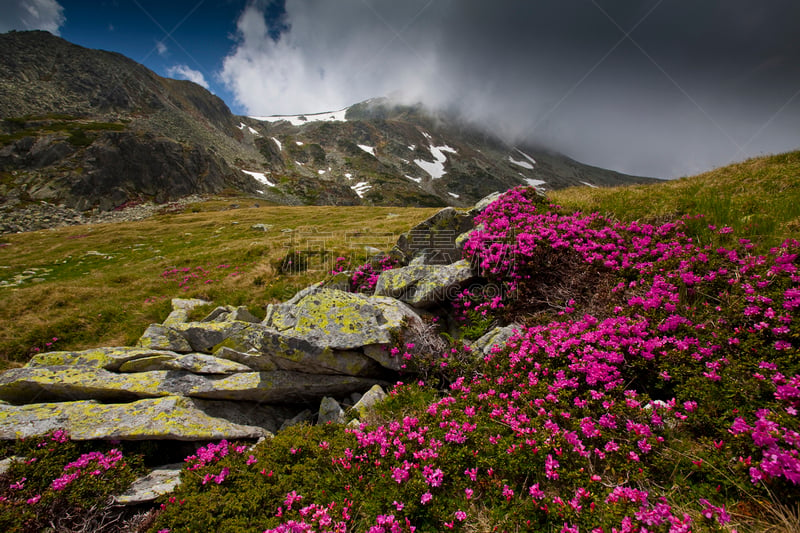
(103, 284)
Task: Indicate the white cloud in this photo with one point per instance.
(335, 54)
(31, 15)
(550, 73)
(183, 72)
(161, 48)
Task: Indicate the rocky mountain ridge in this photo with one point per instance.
(90, 129)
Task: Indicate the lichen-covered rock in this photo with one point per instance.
(264, 348)
(106, 358)
(425, 285)
(433, 240)
(229, 313)
(181, 308)
(159, 337)
(67, 383)
(258, 362)
(195, 363)
(330, 412)
(495, 337)
(278, 387)
(343, 320)
(368, 400)
(204, 336)
(159, 481)
(169, 418)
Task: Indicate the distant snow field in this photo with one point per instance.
(299, 120)
(590, 185)
(535, 183)
(526, 156)
(417, 180)
(259, 176)
(280, 146)
(454, 195)
(435, 169)
(523, 164)
(369, 149)
(361, 188)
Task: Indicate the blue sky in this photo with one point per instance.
(662, 88)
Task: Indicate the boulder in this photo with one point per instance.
(159, 481)
(368, 400)
(261, 347)
(159, 337)
(168, 418)
(425, 285)
(204, 336)
(343, 320)
(495, 337)
(181, 308)
(330, 412)
(433, 240)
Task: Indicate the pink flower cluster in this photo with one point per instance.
(92, 463)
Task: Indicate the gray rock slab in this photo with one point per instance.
(425, 285)
(160, 481)
(330, 412)
(264, 348)
(195, 363)
(204, 336)
(495, 337)
(160, 337)
(169, 418)
(343, 320)
(106, 358)
(36, 385)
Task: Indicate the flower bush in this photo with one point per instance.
(58, 481)
(653, 385)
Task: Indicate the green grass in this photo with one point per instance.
(101, 285)
(758, 198)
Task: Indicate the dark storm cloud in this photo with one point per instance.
(650, 87)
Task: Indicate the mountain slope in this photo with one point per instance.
(94, 129)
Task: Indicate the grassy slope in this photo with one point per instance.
(759, 198)
(101, 285)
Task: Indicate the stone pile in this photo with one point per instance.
(231, 375)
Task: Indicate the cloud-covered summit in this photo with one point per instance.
(657, 87)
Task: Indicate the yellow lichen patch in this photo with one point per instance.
(171, 417)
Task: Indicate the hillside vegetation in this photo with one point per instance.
(652, 382)
(758, 198)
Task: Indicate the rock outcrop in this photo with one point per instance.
(232, 375)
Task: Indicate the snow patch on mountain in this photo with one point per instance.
(259, 177)
(436, 169)
(416, 180)
(361, 188)
(526, 156)
(535, 183)
(590, 185)
(299, 120)
(280, 146)
(369, 149)
(523, 164)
